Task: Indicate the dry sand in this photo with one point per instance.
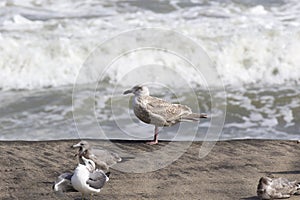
(230, 171)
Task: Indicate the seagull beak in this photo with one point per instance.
(127, 92)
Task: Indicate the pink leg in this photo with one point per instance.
(155, 140)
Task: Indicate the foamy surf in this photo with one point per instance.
(253, 44)
(45, 44)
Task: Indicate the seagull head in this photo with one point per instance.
(82, 145)
(89, 164)
(138, 90)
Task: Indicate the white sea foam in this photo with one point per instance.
(44, 44)
(254, 44)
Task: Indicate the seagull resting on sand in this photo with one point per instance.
(85, 179)
(102, 158)
(158, 112)
(279, 188)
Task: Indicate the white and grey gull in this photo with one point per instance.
(85, 179)
(155, 111)
(102, 158)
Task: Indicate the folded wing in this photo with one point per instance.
(97, 179)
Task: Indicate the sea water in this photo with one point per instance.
(254, 46)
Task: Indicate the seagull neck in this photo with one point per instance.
(138, 98)
(82, 169)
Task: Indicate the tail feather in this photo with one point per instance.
(297, 192)
(194, 117)
(298, 186)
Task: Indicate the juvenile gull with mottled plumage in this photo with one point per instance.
(278, 188)
(158, 112)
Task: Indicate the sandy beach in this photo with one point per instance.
(230, 171)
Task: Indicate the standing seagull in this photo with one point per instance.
(158, 112)
(102, 158)
(85, 179)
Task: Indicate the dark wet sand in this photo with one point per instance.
(231, 171)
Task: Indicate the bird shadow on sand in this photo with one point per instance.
(251, 198)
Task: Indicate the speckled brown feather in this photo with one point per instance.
(156, 111)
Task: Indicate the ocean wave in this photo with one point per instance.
(45, 44)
